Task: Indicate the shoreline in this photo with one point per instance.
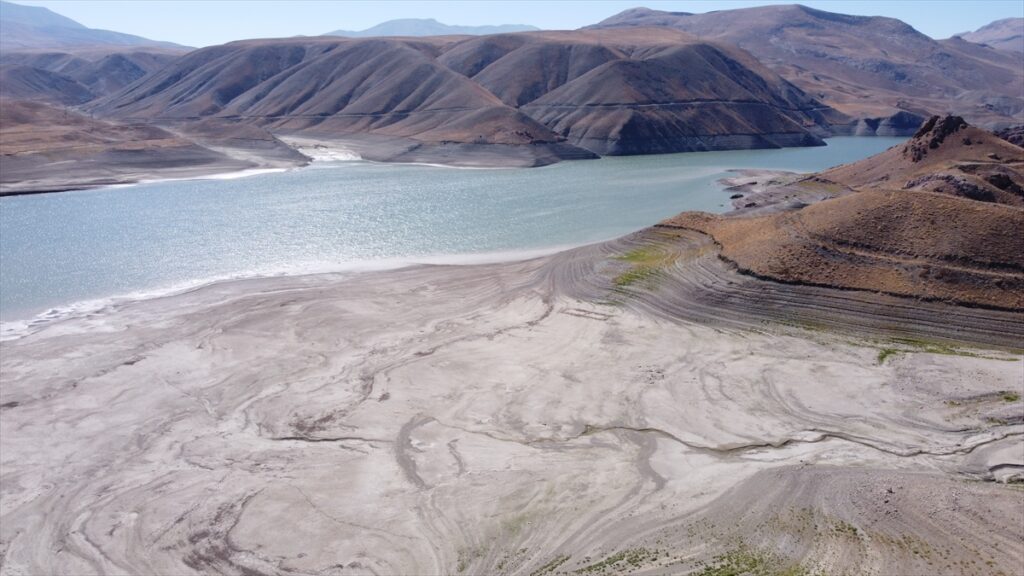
(19, 327)
(151, 177)
(561, 409)
(352, 148)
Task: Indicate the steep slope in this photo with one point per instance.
(609, 92)
(915, 239)
(75, 78)
(641, 91)
(866, 67)
(428, 27)
(388, 98)
(1005, 34)
(33, 27)
(382, 86)
(28, 83)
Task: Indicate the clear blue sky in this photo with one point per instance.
(207, 22)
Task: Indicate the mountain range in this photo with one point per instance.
(32, 27)
(1005, 34)
(640, 82)
(607, 92)
(428, 27)
(864, 66)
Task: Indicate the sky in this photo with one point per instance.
(208, 22)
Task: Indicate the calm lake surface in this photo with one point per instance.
(72, 250)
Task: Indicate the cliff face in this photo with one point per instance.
(869, 68)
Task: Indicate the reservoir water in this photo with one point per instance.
(67, 251)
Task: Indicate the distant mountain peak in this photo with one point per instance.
(428, 27)
(1005, 34)
(864, 66)
(33, 27)
(35, 16)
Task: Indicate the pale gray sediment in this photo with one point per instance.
(392, 149)
(634, 405)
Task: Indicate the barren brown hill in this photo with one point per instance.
(910, 242)
(34, 136)
(74, 78)
(619, 92)
(866, 67)
(387, 86)
(946, 155)
(28, 83)
(641, 91)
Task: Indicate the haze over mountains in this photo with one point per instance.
(428, 27)
(641, 82)
(1005, 34)
(46, 57)
(32, 27)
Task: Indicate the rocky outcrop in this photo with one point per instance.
(935, 219)
(1013, 134)
(946, 155)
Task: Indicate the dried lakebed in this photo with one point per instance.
(632, 406)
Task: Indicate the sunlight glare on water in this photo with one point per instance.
(58, 249)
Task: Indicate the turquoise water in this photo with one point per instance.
(60, 249)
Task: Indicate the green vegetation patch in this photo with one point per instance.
(550, 566)
(844, 528)
(894, 346)
(466, 556)
(744, 562)
(621, 561)
(631, 277)
(646, 262)
(885, 353)
(1010, 396)
(512, 560)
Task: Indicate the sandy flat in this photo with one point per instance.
(537, 417)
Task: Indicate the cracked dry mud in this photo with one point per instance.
(561, 415)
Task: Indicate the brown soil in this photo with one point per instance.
(33, 136)
(922, 241)
(948, 156)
